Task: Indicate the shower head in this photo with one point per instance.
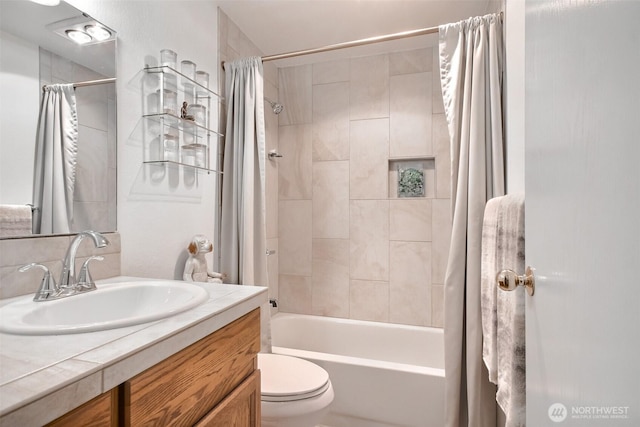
(276, 107)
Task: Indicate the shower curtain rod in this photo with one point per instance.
(361, 42)
(89, 83)
(354, 43)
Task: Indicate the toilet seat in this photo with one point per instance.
(286, 378)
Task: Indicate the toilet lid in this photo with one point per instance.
(286, 378)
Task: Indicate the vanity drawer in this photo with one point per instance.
(185, 387)
(239, 409)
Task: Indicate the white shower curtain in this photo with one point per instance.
(55, 160)
(243, 235)
(471, 76)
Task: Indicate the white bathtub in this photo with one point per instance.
(383, 374)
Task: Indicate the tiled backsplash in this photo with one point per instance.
(50, 251)
(349, 247)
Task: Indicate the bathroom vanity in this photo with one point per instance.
(194, 368)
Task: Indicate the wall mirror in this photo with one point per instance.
(35, 51)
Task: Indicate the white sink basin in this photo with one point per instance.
(113, 305)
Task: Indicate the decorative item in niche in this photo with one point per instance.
(410, 179)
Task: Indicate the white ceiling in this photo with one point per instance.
(278, 26)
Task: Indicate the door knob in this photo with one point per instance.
(508, 280)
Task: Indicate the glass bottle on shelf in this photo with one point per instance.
(170, 145)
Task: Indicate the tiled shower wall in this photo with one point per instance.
(348, 247)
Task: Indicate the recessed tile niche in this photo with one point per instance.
(412, 177)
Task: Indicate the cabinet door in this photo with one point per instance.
(241, 408)
(186, 386)
(98, 412)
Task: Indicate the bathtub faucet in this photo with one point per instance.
(273, 302)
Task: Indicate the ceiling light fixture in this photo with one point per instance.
(83, 30)
(78, 36)
(97, 32)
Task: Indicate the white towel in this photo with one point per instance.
(503, 322)
(15, 220)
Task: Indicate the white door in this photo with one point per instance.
(582, 178)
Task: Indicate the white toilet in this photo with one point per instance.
(295, 392)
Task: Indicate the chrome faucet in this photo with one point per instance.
(69, 285)
(68, 279)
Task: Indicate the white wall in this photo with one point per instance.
(514, 94)
(19, 80)
(155, 222)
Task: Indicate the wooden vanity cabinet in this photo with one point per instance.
(213, 382)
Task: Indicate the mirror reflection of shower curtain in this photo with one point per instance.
(55, 160)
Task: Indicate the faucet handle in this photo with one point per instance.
(85, 282)
(48, 288)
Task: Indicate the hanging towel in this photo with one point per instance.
(15, 220)
(503, 321)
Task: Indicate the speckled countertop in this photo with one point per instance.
(44, 377)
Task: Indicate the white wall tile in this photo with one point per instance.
(369, 88)
(437, 306)
(91, 170)
(331, 121)
(295, 237)
(438, 105)
(295, 294)
(441, 237)
(442, 151)
(271, 166)
(331, 72)
(331, 199)
(412, 61)
(294, 143)
(295, 94)
(410, 115)
(273, 271)
(369, 230)
(410, 283)
(369, 154)
(92, 105)
(330, 294)
(369, 300)
(410, 219)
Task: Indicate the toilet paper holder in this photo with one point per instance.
(508, 280)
